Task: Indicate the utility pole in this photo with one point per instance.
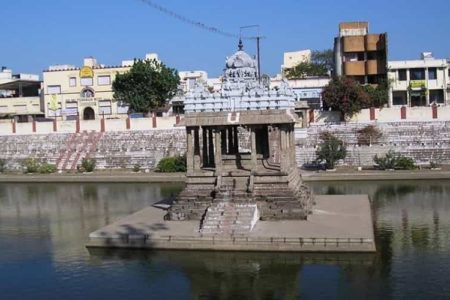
(258, 37)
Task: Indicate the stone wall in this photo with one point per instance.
(112, 150)
(423, 141)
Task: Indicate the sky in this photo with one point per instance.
(36, 34)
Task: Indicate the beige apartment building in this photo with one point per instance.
(360, 54)
(85, 91)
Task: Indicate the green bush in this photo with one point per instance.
(2, 165)
(394, 160)
(136, 168)
(88, 164)
(330, 150)
(31, 165)
(172, 164)
(47, 168)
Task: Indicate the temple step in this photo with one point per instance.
(228, 218)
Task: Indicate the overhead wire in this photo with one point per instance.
(195, 23)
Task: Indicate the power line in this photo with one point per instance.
(193, 22)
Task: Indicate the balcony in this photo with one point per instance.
(418, 84)
(375, 42)
(374, 67)
(353, 44)
(355, 68)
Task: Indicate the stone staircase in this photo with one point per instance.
(80, 145)
(229, 218)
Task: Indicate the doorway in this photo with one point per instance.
(88, 114)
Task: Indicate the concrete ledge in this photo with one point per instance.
(375, 175)
(338, 224)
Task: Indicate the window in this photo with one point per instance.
(72, 81)
(104, 107)
(86, 81)
(122, 107)
(54, 89)
(432, 74)
(399, 98)
(436, 96)
(402, 75)
(417, 74)
(104, 80)
(87, 93)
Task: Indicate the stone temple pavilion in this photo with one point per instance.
(241, 164)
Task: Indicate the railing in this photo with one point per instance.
(253, 241)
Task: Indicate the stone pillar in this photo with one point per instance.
(211, 160)
(197, 157)
(128, 122)
(55, 126)
(223, 140)
(102, 124)
(205, 147)
(34, 125)
(77, 124)
(403, 112)
(154, 120)
(230, 140)
(372, 113)
(218, 151)
(13, 125)
(253, 145)
(189, 149)
(177, 119)
(434, 111)
(283, 148)
(235, 140)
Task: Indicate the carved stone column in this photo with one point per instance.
(189, 149)
(218, 151)
(253, 145)
(204, 153)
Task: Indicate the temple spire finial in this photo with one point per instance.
(240, 45)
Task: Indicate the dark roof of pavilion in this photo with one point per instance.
(14, 84)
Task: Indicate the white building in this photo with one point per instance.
(420, 82)
(308, 90)
(292, 59)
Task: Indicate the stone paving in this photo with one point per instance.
(338, 224)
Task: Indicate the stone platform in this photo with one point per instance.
(338, 224)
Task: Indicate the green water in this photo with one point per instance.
(43, 229)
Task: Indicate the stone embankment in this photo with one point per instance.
(423, 141)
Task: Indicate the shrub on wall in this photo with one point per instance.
(2, 165)
(88, 164)
(395, 161)
(369, 135)
(331, 149)
(31, 165)
(172, 164)
(47, 168)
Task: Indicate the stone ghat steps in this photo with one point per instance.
(228, 218)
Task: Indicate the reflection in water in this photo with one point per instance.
(43, 229)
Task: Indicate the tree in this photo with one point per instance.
(345, 95)
(379, 94)
(330, 150)
(148, 85)
(321, 64)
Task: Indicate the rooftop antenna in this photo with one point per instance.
(258, 37)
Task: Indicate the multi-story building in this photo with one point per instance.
(20, 96)
(359, 54)
(419, 82)
(85, 91)
(292, 59)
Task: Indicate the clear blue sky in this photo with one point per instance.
(36, 34)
